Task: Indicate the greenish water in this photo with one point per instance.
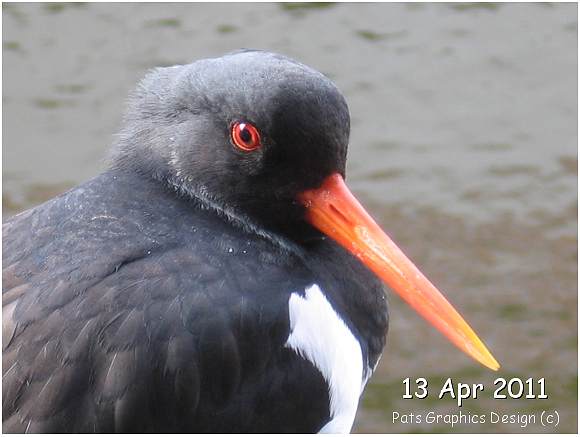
(463, 146)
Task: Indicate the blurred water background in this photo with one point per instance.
(463, 146)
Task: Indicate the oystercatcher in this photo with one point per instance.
(217, 277)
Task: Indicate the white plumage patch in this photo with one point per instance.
(319, 335)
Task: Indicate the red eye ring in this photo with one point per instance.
(245, 136)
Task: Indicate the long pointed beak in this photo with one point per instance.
(335, 211)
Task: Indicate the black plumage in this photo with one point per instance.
(154, 297)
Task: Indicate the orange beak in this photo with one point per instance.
(335, 211)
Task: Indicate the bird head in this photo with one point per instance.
(246, 133)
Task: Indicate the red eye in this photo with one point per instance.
(245, 136)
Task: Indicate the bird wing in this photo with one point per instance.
(121, 336)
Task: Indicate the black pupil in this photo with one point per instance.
(245, 135)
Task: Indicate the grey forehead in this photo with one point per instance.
(254, 68)
(236, 81)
